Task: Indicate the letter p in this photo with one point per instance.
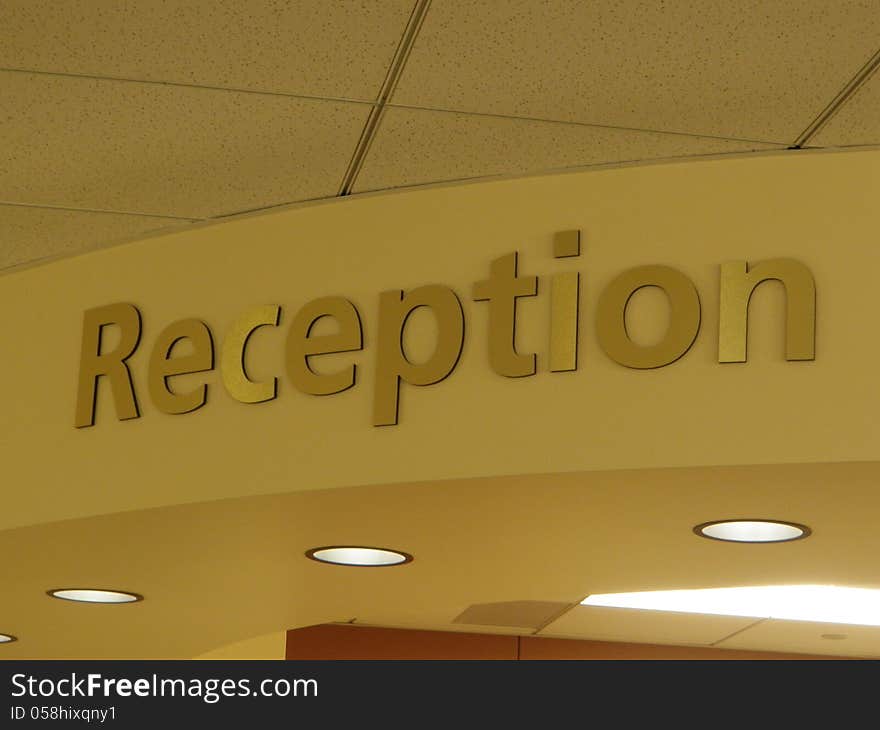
(392, 365)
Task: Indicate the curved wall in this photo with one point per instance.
(817, 208)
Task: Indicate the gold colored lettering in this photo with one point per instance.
(738, 281)
(564, 301)
(93, 363)
(501, 290)
(684, 319)
(302, 344)
(163, 366)
(392, 364)
(233, 370)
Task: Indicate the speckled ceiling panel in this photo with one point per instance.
(31, 234)
(857, 122)
(313, 47)
(752, 70)
(415, 146)
(167, 150)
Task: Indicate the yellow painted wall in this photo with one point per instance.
(817, 207)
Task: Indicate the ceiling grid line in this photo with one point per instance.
(578, 167)
(591, 125)
(47, 206)
(271, 206)
(845, 94)
(183, 85)
(384, 98)
(395, 71)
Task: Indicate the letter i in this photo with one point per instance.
(564, 297)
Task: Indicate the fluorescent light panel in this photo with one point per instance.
(819, 603)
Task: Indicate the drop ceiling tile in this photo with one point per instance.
(646, 627)
(751, 70)
(806, 637)
(417, 146)
(310, 47)
(857, 122)
(30, 234)
(167, 150)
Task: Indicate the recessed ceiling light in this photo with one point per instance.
(752, 530)
(364, 557)
(95, 595)
(818, 603)
(7, 638)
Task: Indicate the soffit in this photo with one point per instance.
(219, 572)
(805, 637)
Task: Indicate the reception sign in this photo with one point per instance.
(675, 315)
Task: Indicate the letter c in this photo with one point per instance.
(232, 356)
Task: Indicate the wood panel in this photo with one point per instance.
(344, 641)
(347, 641)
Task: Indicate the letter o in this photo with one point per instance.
(684, 317)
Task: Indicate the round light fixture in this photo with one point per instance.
(7, 638)
(362, 557)
(752, 530)
(95, 595)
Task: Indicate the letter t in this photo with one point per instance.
(501, 290)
